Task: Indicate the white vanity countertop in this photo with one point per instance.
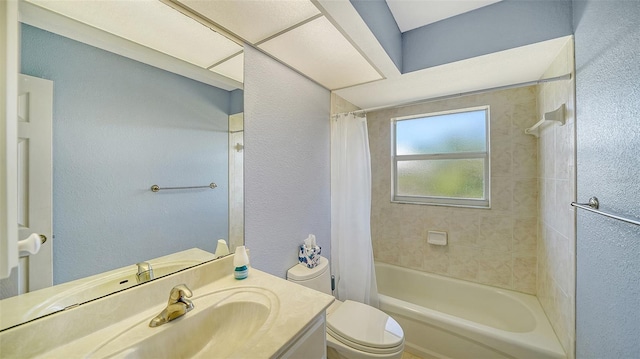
(80, 330)
(297, 309)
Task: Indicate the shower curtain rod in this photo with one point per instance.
(474, 92)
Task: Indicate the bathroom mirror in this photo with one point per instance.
(119, 127)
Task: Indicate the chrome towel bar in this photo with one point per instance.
(156, 188)
(594, 205)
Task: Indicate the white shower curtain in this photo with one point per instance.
(351, 248)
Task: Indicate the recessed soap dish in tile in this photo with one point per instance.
(437, 238)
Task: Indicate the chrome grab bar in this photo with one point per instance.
(594, 205)
(156, 188)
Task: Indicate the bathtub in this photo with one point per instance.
(449, 318)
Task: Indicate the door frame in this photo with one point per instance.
(8, 136)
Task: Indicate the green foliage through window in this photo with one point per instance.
(442, 158)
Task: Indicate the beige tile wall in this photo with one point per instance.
(494, 246)
(556, 168)
(340, 105)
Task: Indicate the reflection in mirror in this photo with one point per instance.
(48, 300)
(236, 180)
(120, 126)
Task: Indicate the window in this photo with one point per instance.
(442, 158)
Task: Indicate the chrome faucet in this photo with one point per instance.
(145, 272)
(178, 306)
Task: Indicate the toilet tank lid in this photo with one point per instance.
(301, 272)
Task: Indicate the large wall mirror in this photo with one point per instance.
(131, 105)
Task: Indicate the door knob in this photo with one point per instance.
(32, 243)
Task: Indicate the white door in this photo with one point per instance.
(35, 113)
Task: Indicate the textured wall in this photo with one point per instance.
(120, 126)
(286, 163)
(494, 246)
(607, 46)
(556, 180)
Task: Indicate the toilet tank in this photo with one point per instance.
(318, 278)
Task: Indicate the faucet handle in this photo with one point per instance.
(177, 307)
(178, 294)
(145, 272)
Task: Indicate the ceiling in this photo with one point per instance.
(413, 14)
(292, 31)
(324, 40)
(514, 66)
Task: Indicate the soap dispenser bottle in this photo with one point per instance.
(241, 262)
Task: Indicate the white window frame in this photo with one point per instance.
(443, 201)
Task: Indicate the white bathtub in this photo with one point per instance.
(449, 318)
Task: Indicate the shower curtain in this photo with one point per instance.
(351, 248)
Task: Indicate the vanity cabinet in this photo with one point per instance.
(311, 342)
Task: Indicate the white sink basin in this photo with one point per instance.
(219, 324)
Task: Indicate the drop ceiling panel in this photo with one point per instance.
(254, 20)
(232, 68)
(413, 14)
(319, 51)
(152, 24)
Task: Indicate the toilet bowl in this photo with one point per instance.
(354, 330)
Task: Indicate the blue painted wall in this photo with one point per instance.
(236, 100)
(378, 17)
(607, 46)
(286, 163)
(497, 27)
(501, 26)
(120, 126)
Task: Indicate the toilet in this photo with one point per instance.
(354, 330)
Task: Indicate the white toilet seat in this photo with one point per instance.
(364, 328)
